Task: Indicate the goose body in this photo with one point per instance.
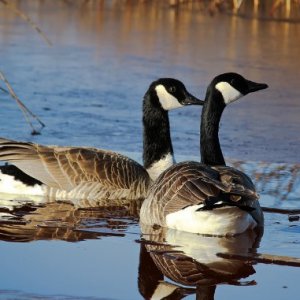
(70, 173)
(77, 173)
(207, 197)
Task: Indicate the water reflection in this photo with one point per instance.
(62, 221)
(151, 280)
(192, 260)
(273, 179)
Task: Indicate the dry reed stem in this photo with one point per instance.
(28, 20)
(264, 259)
(4, 90)
(26, 112)
(280, 210)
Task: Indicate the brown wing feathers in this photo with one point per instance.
(195, 183)
(66, 167)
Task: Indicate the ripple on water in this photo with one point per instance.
(86, 80)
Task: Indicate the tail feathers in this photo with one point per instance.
(215, 202)
(27, 157)
(238, 191)
(13, 151)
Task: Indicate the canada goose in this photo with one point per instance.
(207, 197)
(74, 173)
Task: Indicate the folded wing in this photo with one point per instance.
(65, 168)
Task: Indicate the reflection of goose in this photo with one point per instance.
(191, 260)
(151, 280)
(207, 197)
(62, 221)
(89, 173)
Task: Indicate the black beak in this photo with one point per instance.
(254, 86)
(191, 100)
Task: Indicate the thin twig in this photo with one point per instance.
(280, 210)
(4, 90)
(27, 19)
(264, 259)
(26, 112)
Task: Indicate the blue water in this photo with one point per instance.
(87, 88)
(89, 268)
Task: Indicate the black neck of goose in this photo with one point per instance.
(157, 139)
(211, 153)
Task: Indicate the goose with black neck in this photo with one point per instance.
(208, 197)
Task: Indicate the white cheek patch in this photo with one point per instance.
(166, 100)
(228, 92)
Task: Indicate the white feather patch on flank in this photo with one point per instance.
(167, 100)
(228, 92)
(220, 221)
(161, 165)
(9, 185)
(163, 290)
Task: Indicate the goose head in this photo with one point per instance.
(171, 94)
(233, 86)
(223, 90)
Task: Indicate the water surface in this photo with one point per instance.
(87, 88)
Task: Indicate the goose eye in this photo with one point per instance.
(232, 81)
(172, 89)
